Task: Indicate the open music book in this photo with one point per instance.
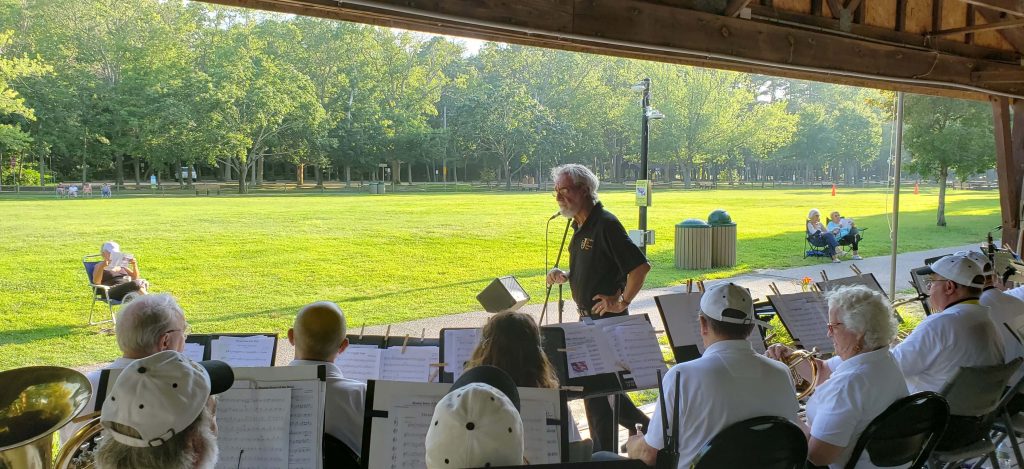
(398, 416)
(396, 363)
(805, 316)
(238, 350)
(626, 346)
(679, 313)
(866, 279)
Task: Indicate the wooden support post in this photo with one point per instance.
(901, 15)
(1009, 164)
(936, 15)
(969, 37)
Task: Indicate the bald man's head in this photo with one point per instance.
(318, 332)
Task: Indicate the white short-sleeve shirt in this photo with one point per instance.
(343, 405)
(857, 391)
(961, 335)
(728, 384)
(1017, 292)
(69, 430)
(1007, 315)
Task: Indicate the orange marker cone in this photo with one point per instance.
(915, 188)
(833, 190)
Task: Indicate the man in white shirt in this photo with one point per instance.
(728, 384)
(319, 337)
(958, 333)
(150, 324)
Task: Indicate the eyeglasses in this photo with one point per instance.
(930, 281)
(563, 192)
(832, 326)
(184, 331)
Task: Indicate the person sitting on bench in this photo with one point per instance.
(845, 232)
(819, 236)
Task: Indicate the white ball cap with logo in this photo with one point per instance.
(161, 395)
(728, 302)
(959, 269)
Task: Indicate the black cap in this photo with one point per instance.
(221, 375)
(493, 376)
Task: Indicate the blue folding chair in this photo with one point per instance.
(100, 293)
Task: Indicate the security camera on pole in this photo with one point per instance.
(641, 236)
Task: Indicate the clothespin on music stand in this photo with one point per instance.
(436, 368)
(423, 335)
(689, 285)
(387, 334)
(824, 276)
(361, 329)
(700, 286)
(405, 343)
(856, 269)
(774, 288)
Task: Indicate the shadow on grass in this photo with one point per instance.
(24, 336)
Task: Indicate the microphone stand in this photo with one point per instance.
(547, 295)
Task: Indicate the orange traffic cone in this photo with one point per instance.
(833, 190)
(916, 191)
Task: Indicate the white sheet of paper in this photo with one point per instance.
(360, 363)
(307, 419)
(637, 345)
(252, 424)
(410, 419)
(413, 365)
(540, 440)
(458, 349)
(588, 350)
(194, 351)
(679, 312)
(252, 351)
(805, 315)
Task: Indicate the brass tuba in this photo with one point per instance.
(79, 451)
(35, 402)
(804, 388)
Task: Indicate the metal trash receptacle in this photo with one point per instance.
(723, 239)
(373, 187)
(693, 244)
(382, 187)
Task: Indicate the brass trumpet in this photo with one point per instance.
(804, 387)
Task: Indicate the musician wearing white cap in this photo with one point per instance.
(856, 385)
(319, 336)
(958, 334)
(728, 384)
(159, 414)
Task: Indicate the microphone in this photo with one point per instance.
(554, 216)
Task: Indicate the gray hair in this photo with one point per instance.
(813, 212)
(141, 323)
(110, 246)
(581, 177)
(864, 311)
(194, 448)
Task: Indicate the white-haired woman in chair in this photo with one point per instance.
(820, 236)
(858, 383)
(123, 278)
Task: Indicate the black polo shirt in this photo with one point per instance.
(600, 256)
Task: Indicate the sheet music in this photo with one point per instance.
(413, 365)
(253, 424)
(867, 280)
(638, 348)
(409, 418)
(360, 363)
(249, 351)
(194, 351)
(307, 420)
(458, 349)
(540, 440)
(805, 315)
(679, 313)
(588, 350)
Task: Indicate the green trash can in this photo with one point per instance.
(373, 187)
(382, 187)
(693, 245)
(723, 239)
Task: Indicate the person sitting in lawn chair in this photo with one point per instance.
(820, 236)
(120, 271)
(105, 190)
(846, 233)
(87, 190)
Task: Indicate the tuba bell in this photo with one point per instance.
(35, 402)
(804, 387)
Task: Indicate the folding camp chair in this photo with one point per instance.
(99, 293)
(974, 395)
(767, 442)
(906, 432)
(813, 250)
(1010, 426)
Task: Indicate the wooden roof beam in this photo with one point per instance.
(735, 6)
(980, 27)
(1013, 7)
(1002, 76)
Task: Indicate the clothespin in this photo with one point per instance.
(423, 334)
(855, 269)
(571, 388)
(387, 334)
(770, 337)
(689, 285)
(361, 329)
(774, 288)
(824, 276)
(405, 343)
(700, 286)
(567, 349)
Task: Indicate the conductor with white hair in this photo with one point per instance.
(606, 272)
(148, 325)
(858, 383)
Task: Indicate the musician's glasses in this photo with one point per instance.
(563, 192)
(832, 327)
(184, 331)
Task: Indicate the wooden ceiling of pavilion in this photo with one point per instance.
(957, 48)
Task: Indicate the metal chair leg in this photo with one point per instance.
(91, 311)
(1011, 433)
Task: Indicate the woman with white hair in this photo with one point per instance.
(119, 271)
(820, 236)
(855, 385)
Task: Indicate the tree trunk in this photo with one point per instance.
(119, 177)
(300, 174)
(686, 174)
(260, 172)
(138, 171)
(319, 176)
(242, 189)
(508, 174)
(943, 173)
(408, 172)
(396, 173)
(42, 170)
(348, 175)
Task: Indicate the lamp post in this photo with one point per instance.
(647, 114)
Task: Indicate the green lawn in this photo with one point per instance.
(247, 263)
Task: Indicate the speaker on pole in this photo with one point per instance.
(503, 294)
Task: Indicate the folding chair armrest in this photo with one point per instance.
(105, 288)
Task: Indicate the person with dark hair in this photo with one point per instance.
(728, 384)
(606, 272)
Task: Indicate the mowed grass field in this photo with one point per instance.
(246, 264)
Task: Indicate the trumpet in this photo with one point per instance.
(804, 387)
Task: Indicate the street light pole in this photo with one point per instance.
(645, 128)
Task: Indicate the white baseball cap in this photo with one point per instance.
(728, 302)
(161, 395)
(110, 246)
(979, 258)
(477, 423)
(959, 269)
